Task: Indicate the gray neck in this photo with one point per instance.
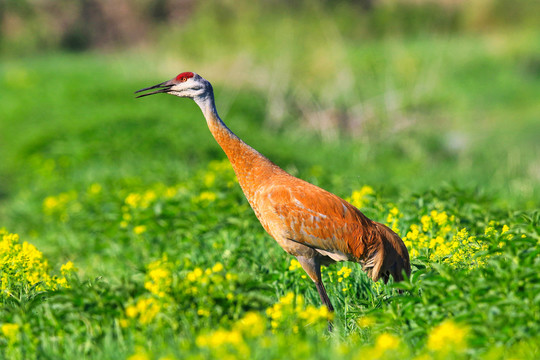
(247, 162)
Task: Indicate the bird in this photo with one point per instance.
(308, 222)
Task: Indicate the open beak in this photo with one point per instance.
(161, 88)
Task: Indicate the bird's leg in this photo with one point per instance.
(324, 296)
(312, 267)
(326, 301)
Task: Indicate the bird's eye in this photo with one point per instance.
(184, 79)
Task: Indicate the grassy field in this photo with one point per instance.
(143, 246)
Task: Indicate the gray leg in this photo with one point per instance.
(324, 296)
(312, 267)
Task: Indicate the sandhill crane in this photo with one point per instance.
(312, 224)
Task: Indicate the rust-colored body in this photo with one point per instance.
(312, 224)
(308, 222)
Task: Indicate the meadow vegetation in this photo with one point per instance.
(125, 233)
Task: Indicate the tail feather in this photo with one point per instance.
(386, 255)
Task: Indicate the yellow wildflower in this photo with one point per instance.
(386, 342)
(170, 192)
(203, 312)
(58, 204)
(209, 179)
(131, 311)
(67, 268)
(124, 323)
(359, 198)
(345, 272)
(392, 220)
(158, 277)
(217, 267)
(194, 275)
(94, 189)
(50, 204)
(439, 218)
(252, 324)
(208, 196)
(140, 354)
(10, 331)
(223, 340)
(148, 197)
(133, 200)
(294, 265)
(365, 321)
(139, 229)
(426, 222)
(287, 299)
(147, 310)
(447, 336)
(24, 263)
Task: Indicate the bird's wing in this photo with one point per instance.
(317, 218)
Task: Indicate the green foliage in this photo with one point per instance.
(211, 286)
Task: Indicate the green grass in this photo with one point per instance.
(91, 175)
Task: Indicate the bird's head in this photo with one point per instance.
(186, 84)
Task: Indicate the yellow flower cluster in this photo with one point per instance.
(61, 205)
(289, 312)
(159, 282)
(159, 277)
(139, 229)
(233, 342)
(141, 201)
(10, 332)
(392, 220)
(225, 344)
(210, 277)
(162, 280)
(447, 336)
(386, 346)
(205, 197)
(344, 273)
(439, 238)
(360, 198)
(23, 264)
(140, 354)
(292, 307)
(294, 265)
(365, 321)
(137, 201)
(386, 341)
(252, 324)
(68, 268)
(144, 310)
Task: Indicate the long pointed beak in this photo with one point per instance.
(162, 88)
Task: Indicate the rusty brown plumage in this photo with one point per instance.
(312, 224)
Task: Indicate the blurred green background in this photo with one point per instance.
(402, 95)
